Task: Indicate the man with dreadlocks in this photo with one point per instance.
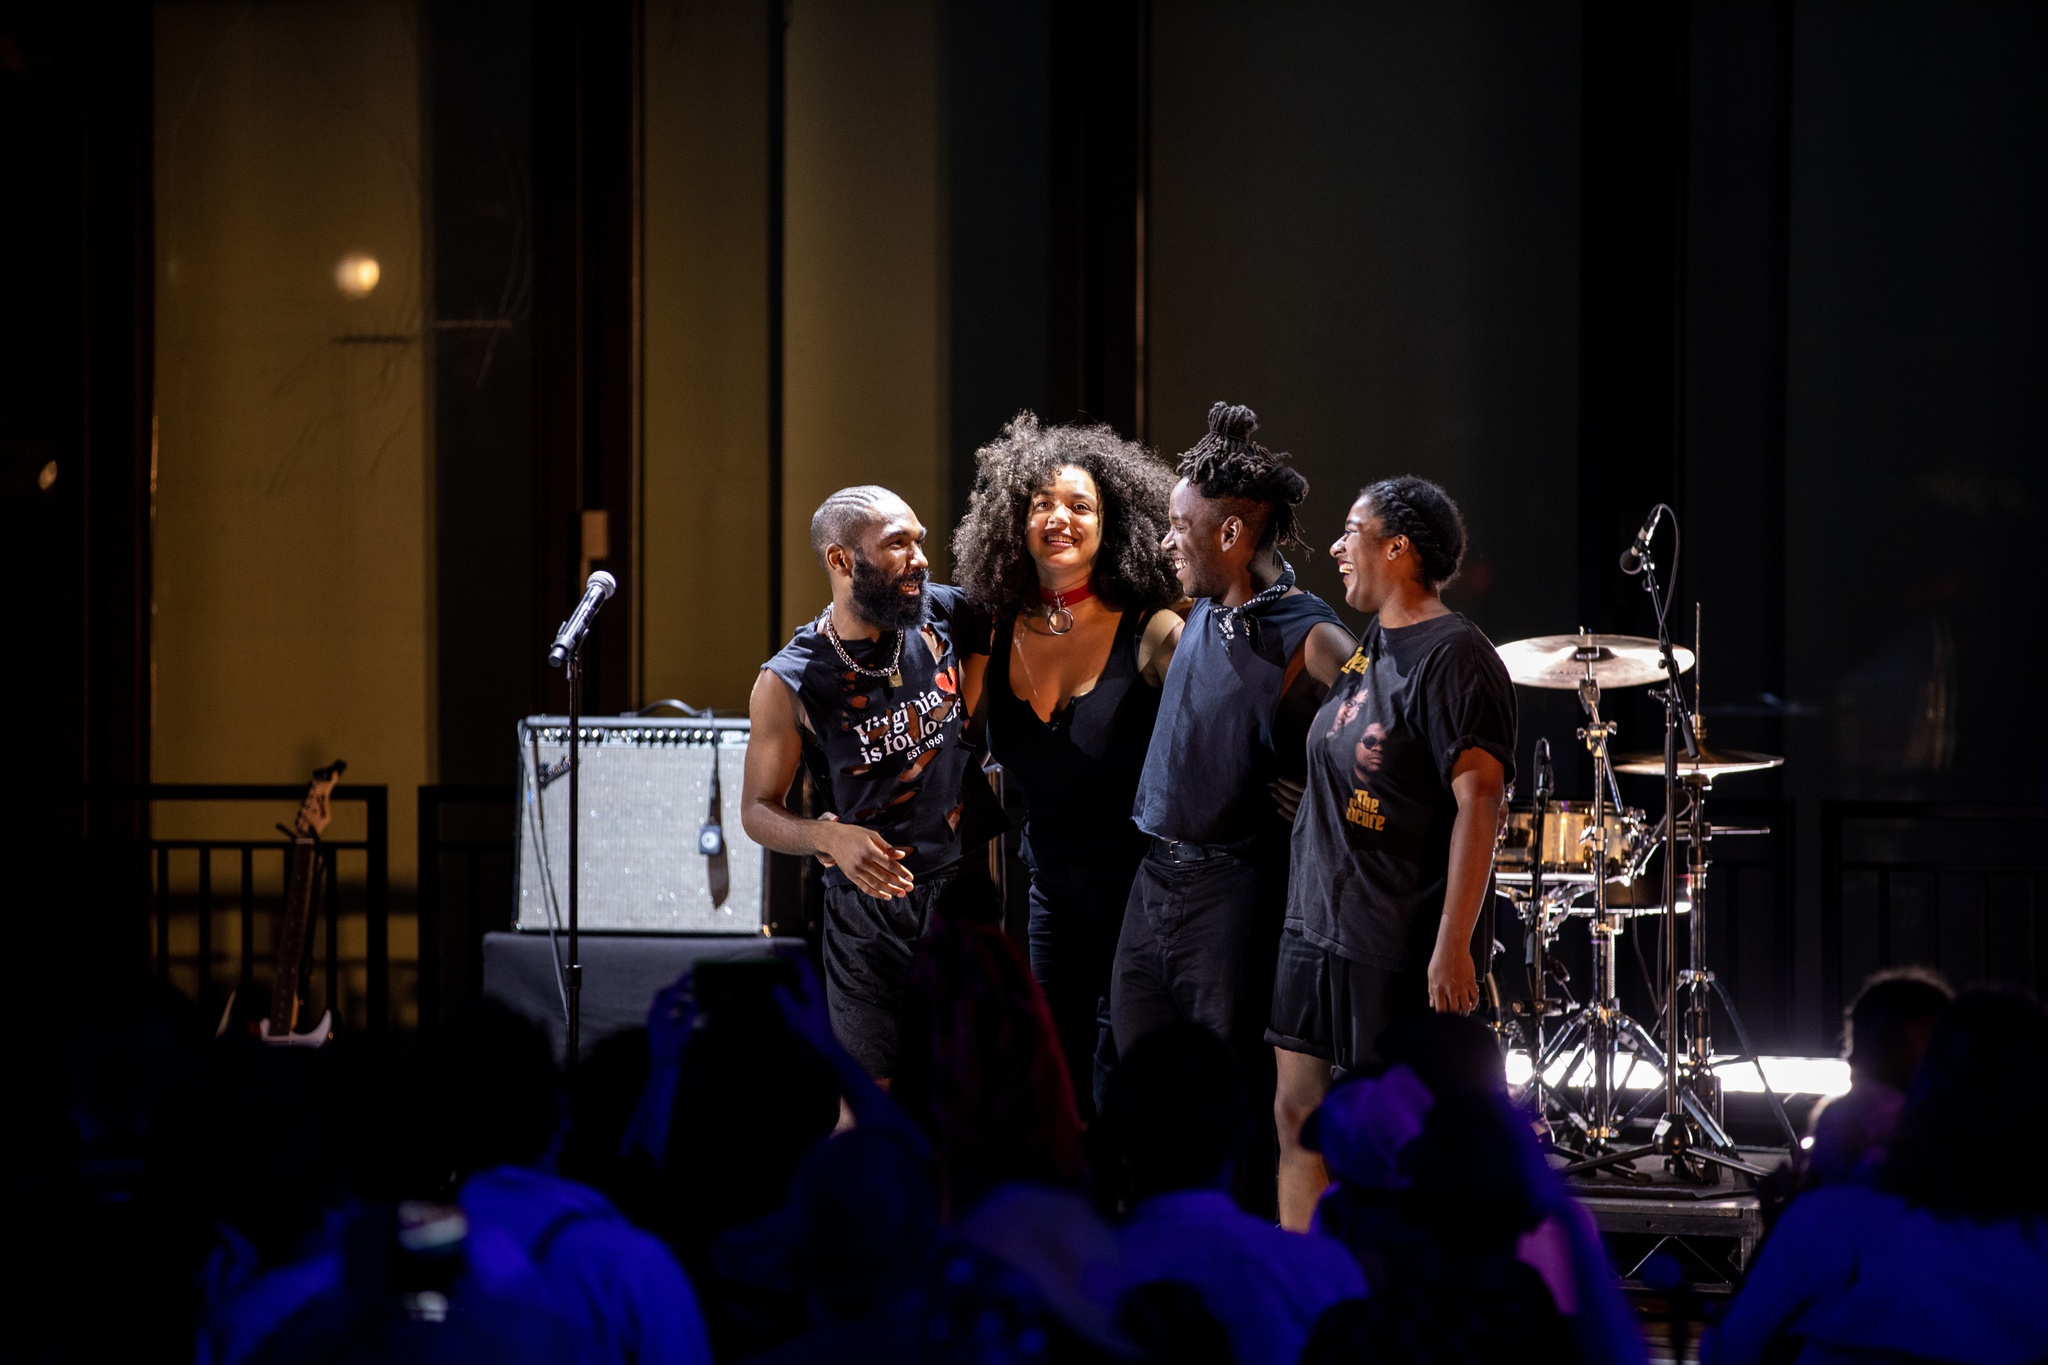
(1255, 658)
(872, 698)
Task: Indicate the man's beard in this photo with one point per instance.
(881, 601)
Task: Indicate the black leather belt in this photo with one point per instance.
(1177, 851)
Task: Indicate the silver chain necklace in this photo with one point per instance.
(893, 673)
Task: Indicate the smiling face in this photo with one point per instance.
(887, 570)
(1063, 527)
(1199, 541)
(1372, 565)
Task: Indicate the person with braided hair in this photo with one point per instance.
(1408, 760)
(1255, 656)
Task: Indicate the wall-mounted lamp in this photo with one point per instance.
(356, 274)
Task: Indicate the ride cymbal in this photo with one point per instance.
(1562, 662)
(1711, 763)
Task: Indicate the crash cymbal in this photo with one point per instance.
(1711, 763)
(1563, 661)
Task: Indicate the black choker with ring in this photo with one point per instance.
(893, 673)
(1059, 616)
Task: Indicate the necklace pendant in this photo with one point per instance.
(896, 677)
(1059, 620)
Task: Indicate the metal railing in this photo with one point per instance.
(183, 885)
(1950, 886)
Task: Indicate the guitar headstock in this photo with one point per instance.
(313, 811)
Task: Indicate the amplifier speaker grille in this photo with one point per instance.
(646, 794)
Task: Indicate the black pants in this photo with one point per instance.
(1077, 913)
(1199, 943)
(868, 946)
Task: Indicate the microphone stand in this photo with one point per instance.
(1689, 1138)
(573, 666)
(567, 653)
(1678, 1137)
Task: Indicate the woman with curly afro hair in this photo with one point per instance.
(1061, 546)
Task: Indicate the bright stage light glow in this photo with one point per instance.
(356, 274)
(1788, 1075)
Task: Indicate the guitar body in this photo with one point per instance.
(303, 864)
(314, 1038)
(301, 883)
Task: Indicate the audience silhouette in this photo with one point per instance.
(621, 1292)
(1181, 1122)
(730, 1184)
(980, 1066)
(1943, 1254)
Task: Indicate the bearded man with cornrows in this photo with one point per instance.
(873, 699)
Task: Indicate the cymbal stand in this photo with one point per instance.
(1696, 1067)
(1598, 1027)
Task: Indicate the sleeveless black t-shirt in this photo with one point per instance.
(1078, 772)
(1372, 842)
(1214, 752)
(894, 759)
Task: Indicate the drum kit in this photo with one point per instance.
(1560, 862)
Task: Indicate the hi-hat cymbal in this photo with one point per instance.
(1710, 764)
(1563, 661)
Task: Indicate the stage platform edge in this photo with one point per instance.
(621, 973)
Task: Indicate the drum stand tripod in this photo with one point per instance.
(1598, 1029)
(1695, 1068)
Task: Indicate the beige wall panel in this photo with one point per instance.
(292, 501)
(705, 322)
(865, 270)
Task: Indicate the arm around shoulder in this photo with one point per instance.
(1156, 646)
(1328, 648)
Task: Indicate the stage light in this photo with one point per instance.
(1788, 1075)
(356, 274)
(47, 476)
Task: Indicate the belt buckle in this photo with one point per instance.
(1174, 847)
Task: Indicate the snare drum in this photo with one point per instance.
(1567, 842)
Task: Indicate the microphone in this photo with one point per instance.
(1546, 776)
(1632, 558)
(601, 586)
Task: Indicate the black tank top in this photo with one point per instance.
(1214, 751)
(893, 759)
(1078, 772)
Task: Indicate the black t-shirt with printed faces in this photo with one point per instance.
(1372, 841)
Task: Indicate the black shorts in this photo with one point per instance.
(1331, 1007)
(868, 946)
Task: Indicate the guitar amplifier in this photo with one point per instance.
(661, 802)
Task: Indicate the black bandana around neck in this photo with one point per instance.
(1227, 618)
